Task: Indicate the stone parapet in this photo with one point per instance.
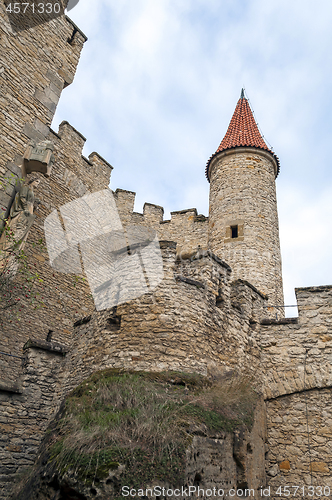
(195, 320)
(71, 177)
(53, 347)
(299, 442)
(186, 227)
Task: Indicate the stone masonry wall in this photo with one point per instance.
(36, 64)
(243, 194)
(195, 321)
(297, 361)
(62, 298)
(289, 345)
(186, 227)
(26, 409)
(300, 441)
(202, 317)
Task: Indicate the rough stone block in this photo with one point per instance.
(41, 97)
(56, 81)
(42, 127)
(32, 133)
(319, 467)
(4, 199)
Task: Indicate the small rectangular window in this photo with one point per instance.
(234, 231)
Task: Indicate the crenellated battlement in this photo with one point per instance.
(80, 173)
(125, 201)
(186, 227)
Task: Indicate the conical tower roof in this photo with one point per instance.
(242, 132)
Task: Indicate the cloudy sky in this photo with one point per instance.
(158, 82)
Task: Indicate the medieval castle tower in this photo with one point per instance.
(208, 313)
(243, 216)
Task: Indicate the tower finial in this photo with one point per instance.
(242, 94)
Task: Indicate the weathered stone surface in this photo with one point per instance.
(25, 411)
(217, 460)
(319, 467)
(296, 443)
(242, 193)
(207, 316)
(178, 326)
(287, 348)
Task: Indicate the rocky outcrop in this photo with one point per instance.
(195, 434)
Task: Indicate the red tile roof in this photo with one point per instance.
(242, 131)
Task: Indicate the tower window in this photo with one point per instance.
(234, 231)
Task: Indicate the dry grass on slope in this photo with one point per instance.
(134, 428)
(145, 421)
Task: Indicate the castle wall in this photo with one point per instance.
(62, 297)
(289, 345)
(36, 64)
(203, 317)
(26, 408)
(297, 361)
(300, 441)
(243, 194)
(186, 227)
(195, 320)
